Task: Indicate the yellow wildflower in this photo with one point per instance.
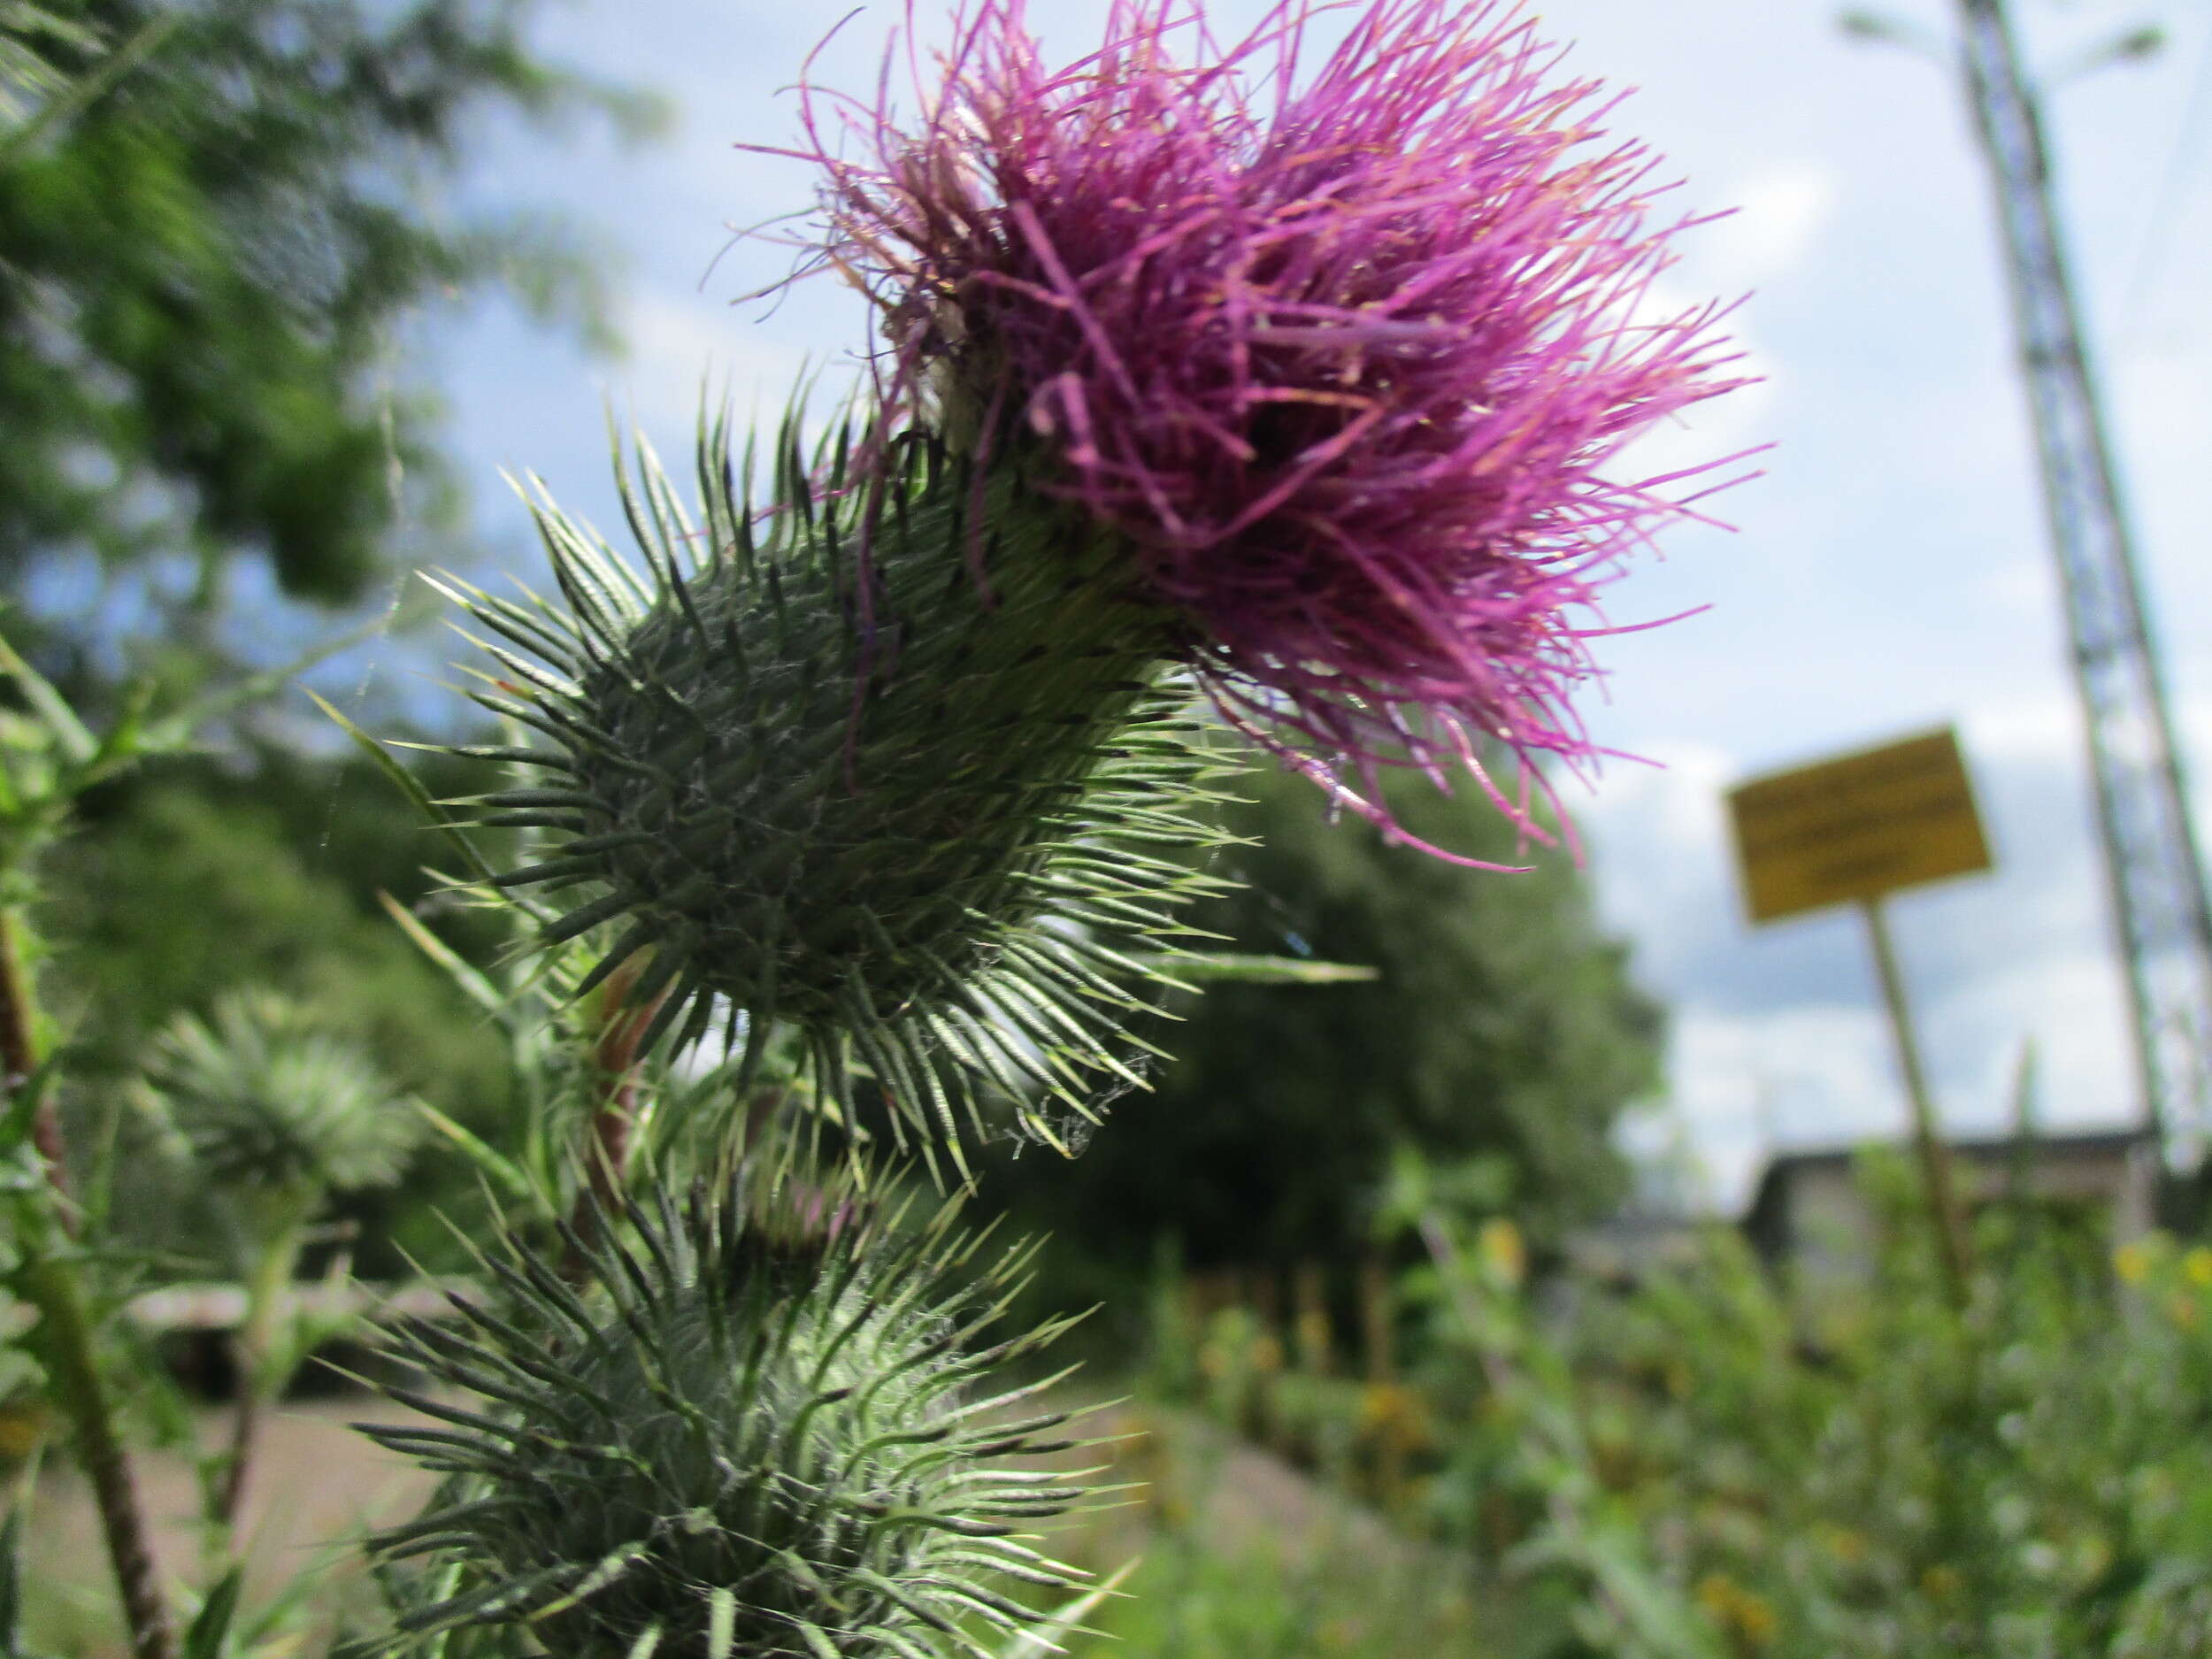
(1745, 1617)
(1941, 1583)
(2132, 1262)
(2197, 1264)
(22, 1430)
(1756, 1621)
(1503, 1253)
(1846, 1545)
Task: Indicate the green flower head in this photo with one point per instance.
(267, 1099)
(739, 1444)
(892, 765)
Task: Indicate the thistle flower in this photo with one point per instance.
(864, 803)
(1344, 360)
(734, 1447)
(268, 1101)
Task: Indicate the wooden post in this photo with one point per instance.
(1954, 1251)
(1311, 1330)
(1376, 1319)
(1267, 1299)
(1378, 1332)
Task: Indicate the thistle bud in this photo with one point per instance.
(893, 765)
(728, 1448)
(268, 1101)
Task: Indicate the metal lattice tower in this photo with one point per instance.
(2155, 870)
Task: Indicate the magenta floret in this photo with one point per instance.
(1344, 354)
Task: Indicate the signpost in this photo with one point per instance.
(1851, 831)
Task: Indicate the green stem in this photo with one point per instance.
(19, 1059)
(259, 1382)
(49, 1282)
(50, 1285)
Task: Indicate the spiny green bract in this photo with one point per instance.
(733, 1445)
(267, 1100)
(857, 768)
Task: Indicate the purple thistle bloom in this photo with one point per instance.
(1343, 357)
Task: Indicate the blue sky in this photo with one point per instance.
(1888, 574)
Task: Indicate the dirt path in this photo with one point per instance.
(316, 1483)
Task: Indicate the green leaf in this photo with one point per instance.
(507, 1174)
(125, 741)
(70, 736)
(1066, 1620)
(21, 1111)
(204, 1640)
(81, 94)
(472, 984)
(1211, 966)
(409, 785)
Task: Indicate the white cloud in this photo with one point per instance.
(679, 343)
(1781, 211)
(2044, 728)
(1817, 1075)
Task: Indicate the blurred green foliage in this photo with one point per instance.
(1193, 1598)
(208, 271)
(1712, 1459)
(204, 875)
(220, 222)
(211, 874)
(1501, 1032)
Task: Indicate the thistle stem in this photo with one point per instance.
(614, 1060)
(51, 1287)
(49, 1283)
(258, 1384)
(19, 1057)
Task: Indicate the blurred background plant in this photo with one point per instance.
(274, 1117)
(1719, 1454)
(224, 227)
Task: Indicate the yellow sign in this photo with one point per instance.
(1856, 827)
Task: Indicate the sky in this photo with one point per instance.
(1888, 574)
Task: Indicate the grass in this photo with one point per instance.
(1240, 1557)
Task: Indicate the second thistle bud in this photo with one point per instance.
(732, 1447)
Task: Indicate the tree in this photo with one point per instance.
(202, 271)
(1501, 1027)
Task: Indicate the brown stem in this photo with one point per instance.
(245, 1429)
(615, 1061)
(1954, 1249)
(258, 1383)
(67, 1349)
(50, 1285)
